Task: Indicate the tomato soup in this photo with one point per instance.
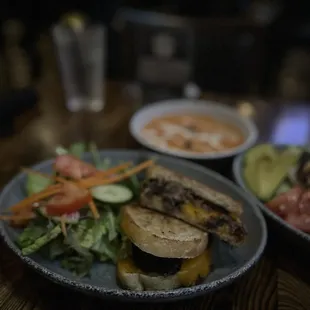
(192, 133)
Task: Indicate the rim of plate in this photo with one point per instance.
(142, 295)
(242, 122)
(237, 172)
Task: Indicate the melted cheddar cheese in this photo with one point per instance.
(194, 269)
(127, 266)
(194, 213)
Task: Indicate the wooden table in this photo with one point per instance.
(280, 280)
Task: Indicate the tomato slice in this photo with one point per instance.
(72, 199)
(69, 166)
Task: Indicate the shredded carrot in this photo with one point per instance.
(94, 210)
(53, 186)
(88, 183)
(45, 175)
(112, 170)
(63, 225)
(100, 174)
(17, 217)
(27, 202)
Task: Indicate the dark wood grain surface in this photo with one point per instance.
(280, 280)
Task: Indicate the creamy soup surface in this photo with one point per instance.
(192, 133)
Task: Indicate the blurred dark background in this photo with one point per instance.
(240, 46)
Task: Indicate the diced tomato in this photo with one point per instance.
(69, 166)
(299, 221)
(304, 204)
(286, 203)
(70, 200)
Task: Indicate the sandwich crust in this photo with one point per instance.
(205, 192)
(139, 281)
(226, 228)
(161, 235)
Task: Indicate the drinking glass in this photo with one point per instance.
(81, 55)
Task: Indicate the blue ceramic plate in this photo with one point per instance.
(238, 166)
(228, 263)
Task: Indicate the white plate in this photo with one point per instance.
(183, 106)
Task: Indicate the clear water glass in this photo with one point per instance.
(81, 56)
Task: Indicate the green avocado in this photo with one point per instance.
(266, 168)
(261, 151)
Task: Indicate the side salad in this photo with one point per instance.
(73, 214)
(280, 177)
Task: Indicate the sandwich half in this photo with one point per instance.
(163, 253)
(194, 203)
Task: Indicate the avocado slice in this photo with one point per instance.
(257, 160)
(266, 168)
(261, 151)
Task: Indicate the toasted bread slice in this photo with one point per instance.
(134, 279)
(161, 235)
(189, 201)
(205, 192)
(226, 228)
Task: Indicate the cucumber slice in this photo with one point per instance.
(72, 218)
(284, 187)
(60, 150)
(112, 193)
